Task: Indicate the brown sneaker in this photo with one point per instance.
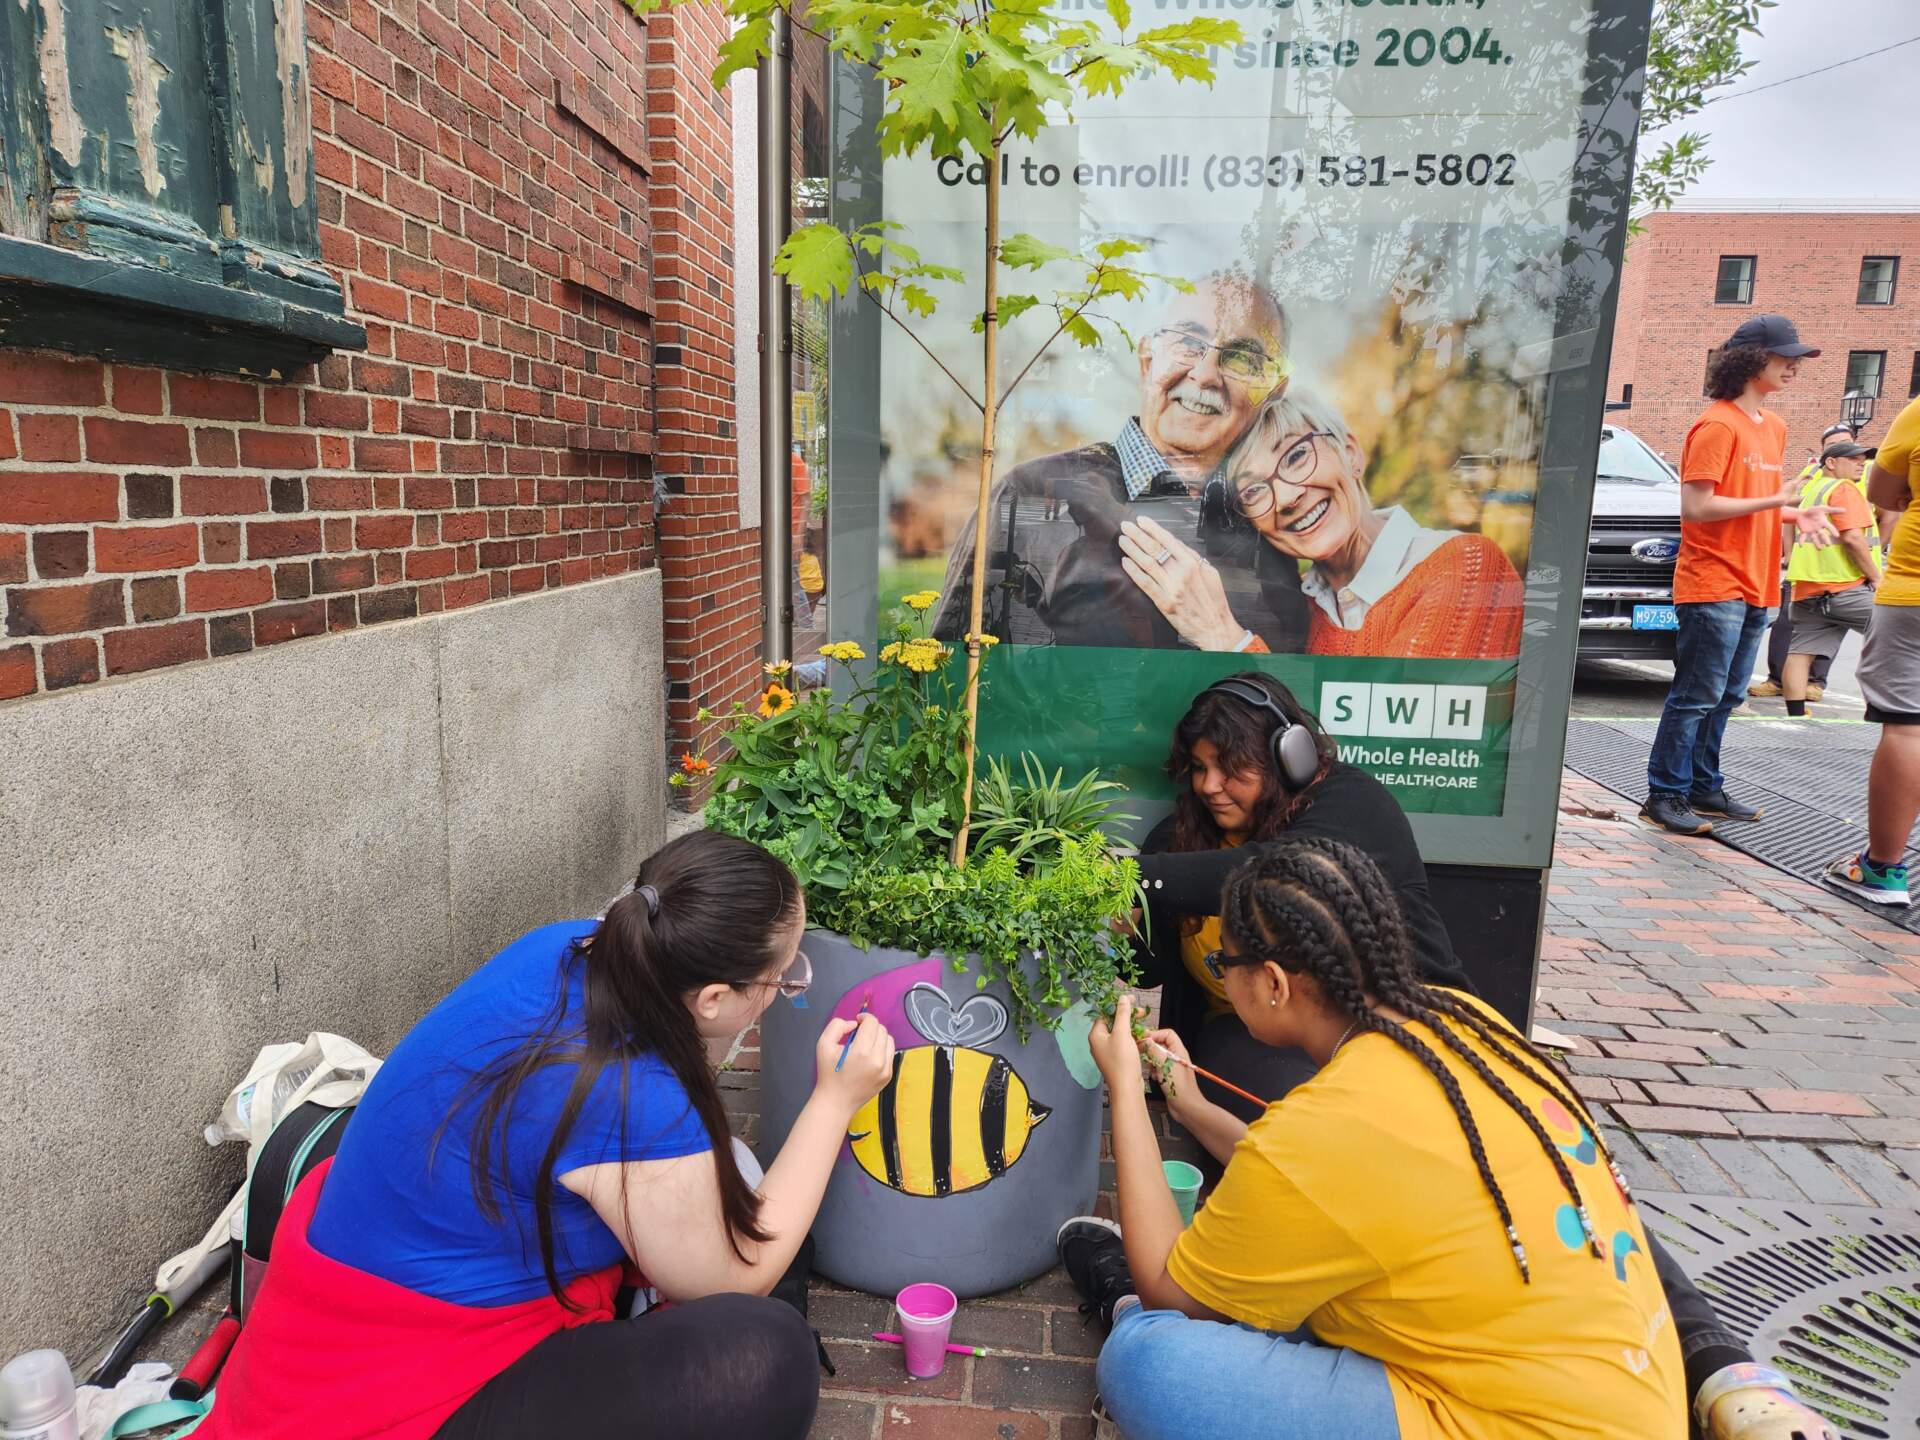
(1767, 690)
(1815, 692)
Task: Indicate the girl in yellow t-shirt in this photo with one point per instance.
(1434, 1206)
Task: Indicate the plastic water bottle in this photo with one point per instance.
(236, 1116)
(36, 1398)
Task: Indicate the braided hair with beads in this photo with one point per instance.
(1323, 909)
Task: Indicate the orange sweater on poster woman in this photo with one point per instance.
(1463, 602)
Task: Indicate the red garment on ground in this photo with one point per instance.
(333, 1353)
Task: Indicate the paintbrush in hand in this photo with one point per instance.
(1167, 1054)
(865, 1000)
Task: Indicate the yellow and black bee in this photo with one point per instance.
(952, 1118)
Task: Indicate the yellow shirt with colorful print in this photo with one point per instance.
(1354, 1206)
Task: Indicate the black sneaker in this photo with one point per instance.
(1096, 1263)
(1722, 806)
(1669, 812)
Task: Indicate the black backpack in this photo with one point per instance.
(302, 1140)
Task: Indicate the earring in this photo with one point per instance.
(1273, 1000)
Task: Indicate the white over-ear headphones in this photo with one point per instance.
(1296, 755)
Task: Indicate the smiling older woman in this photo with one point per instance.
(1379, 583)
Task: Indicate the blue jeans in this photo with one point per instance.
(1164, 1376)
(1712, 664)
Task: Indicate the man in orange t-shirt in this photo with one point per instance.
(1733, 481)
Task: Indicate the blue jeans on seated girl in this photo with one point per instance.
(1164, 1376)
(1713, 659)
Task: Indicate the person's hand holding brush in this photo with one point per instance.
(1218, 1130)
(1166, 1056)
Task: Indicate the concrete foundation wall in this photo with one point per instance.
(324, 836)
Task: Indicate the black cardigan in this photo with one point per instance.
(1348, 805)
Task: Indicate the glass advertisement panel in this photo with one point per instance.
(1346, 435)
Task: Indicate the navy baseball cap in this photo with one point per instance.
(1772, 333)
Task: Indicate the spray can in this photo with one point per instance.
(36, 1398)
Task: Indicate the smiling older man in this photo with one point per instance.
(1053, 555)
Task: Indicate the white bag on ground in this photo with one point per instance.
(323, 1068)
(146, 1384)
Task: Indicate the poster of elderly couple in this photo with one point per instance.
(1311, 445)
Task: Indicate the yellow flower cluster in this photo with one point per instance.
(987, 642)
(920, 599)
(921, 656)
(845, 651)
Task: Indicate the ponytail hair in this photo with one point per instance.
(707, 909)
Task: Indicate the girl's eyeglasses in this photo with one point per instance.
(1216, 962)
(794, 980)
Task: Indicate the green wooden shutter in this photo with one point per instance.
(158, 181)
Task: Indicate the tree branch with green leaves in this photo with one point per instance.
(1694, 50)
(962, 77)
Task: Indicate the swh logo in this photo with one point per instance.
(1410, 712)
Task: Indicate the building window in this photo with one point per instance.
(158, 164)
(1913, 385)
(1865, 370)
(1878, 276)
(1735, 285)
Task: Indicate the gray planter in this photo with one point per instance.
(967, 1192)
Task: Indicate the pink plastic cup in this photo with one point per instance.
(926, 1320)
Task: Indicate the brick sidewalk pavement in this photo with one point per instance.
(1757, 1035)
(1744, 1032)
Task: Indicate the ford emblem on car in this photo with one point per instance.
(1656, 551)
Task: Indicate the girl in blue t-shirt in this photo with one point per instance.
(549, 1127)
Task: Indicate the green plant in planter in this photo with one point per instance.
(861, 792)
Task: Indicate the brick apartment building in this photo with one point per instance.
(371, 530)
(1847, 274)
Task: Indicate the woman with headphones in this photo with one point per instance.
(1250, 764)
(1252, 767)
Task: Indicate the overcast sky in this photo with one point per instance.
(1844, 135)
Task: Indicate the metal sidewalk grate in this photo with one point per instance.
(1830, 1294)
(1810, 779)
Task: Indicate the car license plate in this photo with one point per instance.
(1655, 617)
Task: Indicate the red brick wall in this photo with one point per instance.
(709, 566)
(1807, 268)
(483, 196)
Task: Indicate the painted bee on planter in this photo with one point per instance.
(953, 1117)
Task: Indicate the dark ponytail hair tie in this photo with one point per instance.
(652, 897)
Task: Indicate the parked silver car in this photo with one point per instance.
(1626, 609)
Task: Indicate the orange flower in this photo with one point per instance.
(777, 701)
(695, 764)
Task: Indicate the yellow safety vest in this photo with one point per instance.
(1828, 564)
